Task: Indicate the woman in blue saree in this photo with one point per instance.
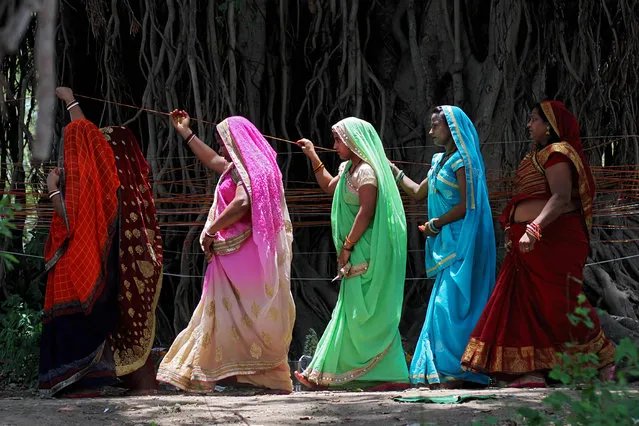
(460, 249)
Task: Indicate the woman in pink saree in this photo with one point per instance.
(242, 328)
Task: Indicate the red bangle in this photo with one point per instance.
(534, 230)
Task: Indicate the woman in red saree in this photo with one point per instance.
(525, 323)
(80, 305)
(104, 258)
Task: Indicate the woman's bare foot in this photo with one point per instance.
(303, 380)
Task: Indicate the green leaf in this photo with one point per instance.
(626, 350)
(8, 256)
(582, 311)
(574, 320)
(557, 400)
(533, 417)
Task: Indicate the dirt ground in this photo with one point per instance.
(299, 408)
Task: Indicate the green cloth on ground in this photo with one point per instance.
(447, 399)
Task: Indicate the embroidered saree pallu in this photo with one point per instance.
(140, 256)
(242, 326)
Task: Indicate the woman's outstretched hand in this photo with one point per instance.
(65, 94)
(182, 122)
(307, 147)
(53, 180)
(393, 167)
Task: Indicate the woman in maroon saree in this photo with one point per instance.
(525, 323)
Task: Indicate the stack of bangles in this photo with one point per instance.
(53, 194)
(534, 230)
(399, 177)
(348, 244)
(431, 225)
(72, 104)
(319, 167)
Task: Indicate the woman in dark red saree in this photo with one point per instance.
(104, 263)
(525, 323)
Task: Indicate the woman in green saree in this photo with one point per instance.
(361, 342)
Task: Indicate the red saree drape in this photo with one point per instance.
(525, 324)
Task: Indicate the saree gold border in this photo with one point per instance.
(449, 112)
(534, 160)
(550, 115)
(195, 385)
(326, 379)
(77, 376)
(513, 360)
(447, 182)
(440, 379)
(424, 376)
(441, 262)
(231, 245)
(123, 370)
(213, 208)
(357, 270)
(584, 186)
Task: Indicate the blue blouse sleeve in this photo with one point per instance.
(456, 161)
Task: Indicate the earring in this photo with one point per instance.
(547, 131)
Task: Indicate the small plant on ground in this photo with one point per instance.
(589, 400)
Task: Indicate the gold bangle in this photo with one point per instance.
(318, 168)
(349, 241)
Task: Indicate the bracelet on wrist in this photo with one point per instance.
(319, 167)
(399, 177)
(429, 225)
(209, 235)
(189, 138)
(72, 104)
(433, 227)
(348, 248)
(53, 194)
(534, 230)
